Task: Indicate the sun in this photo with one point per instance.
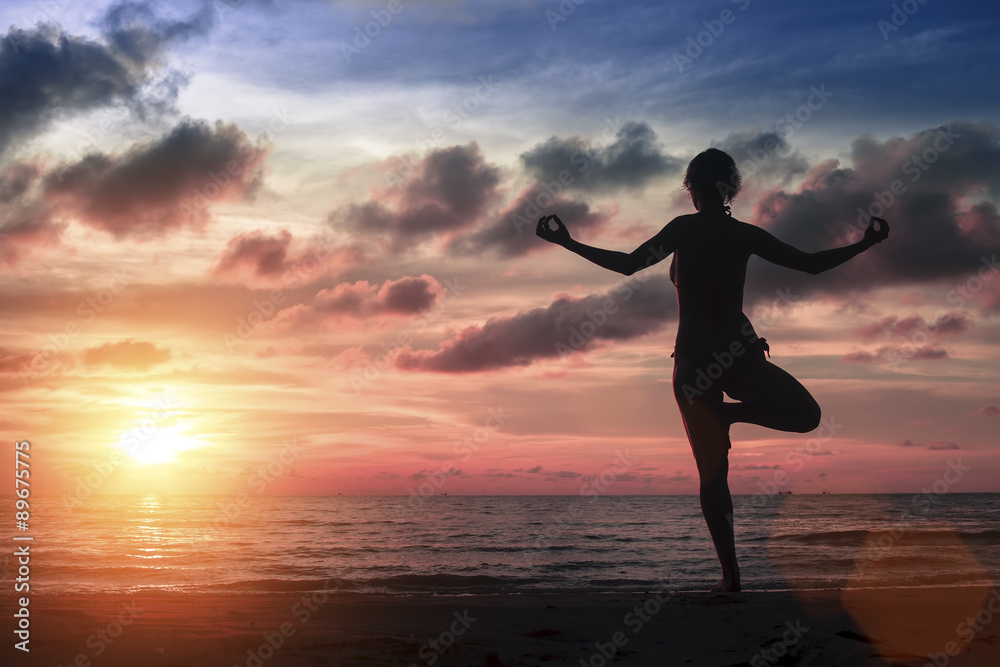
(162, 445)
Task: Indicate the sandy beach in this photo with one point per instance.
(809, 628)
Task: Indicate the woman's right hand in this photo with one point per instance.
(559, 236)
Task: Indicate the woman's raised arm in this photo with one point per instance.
(778, 252)
(652, 251)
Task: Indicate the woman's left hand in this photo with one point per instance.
(559, 236)
(873, 235)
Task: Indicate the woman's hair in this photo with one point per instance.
(713, 176)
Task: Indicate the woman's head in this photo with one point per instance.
(712, 177)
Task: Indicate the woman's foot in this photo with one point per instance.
(727, 586)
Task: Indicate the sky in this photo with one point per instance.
(287, 247)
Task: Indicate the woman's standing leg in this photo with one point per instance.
(710, 444)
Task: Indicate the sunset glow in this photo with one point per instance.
(324, 261)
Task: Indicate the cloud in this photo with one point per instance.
(512, 233)
(138, 35)
(130, 354)
(754, 466)
(935, 171)
(987, 411)
(908, 327)
(268, 260)
(678, 478)
(561, 474)
(632, 160)
(897, 354)
(404, 297)
(764, 155)
(447, 191)
(568, 324)
(937, 446)
(46, 73)
(943, 446)
(24, 229)
(162, 186)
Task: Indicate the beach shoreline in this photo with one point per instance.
(888, 626)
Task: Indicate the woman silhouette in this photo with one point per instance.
(716, 349)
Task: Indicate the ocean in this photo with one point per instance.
(504, 544)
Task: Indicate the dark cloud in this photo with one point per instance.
(130, 354)
(937, 446)
(632, 160)
(561, 474)
(263, 254)
(935, 235)
(568, 324)
(512, 233)
(897, 355)
(25, 228)
(678, 478)
(134, 31)
(46, 73)
(407, 296)
(15, 180)
(764, 155)
(987, 411)
(447, 191)
(948, 324)
(271, 259)
(160, 186)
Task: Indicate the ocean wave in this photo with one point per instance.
(895, 535)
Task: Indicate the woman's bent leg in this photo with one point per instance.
(769, 397)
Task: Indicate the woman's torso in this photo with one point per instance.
(709, 270)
